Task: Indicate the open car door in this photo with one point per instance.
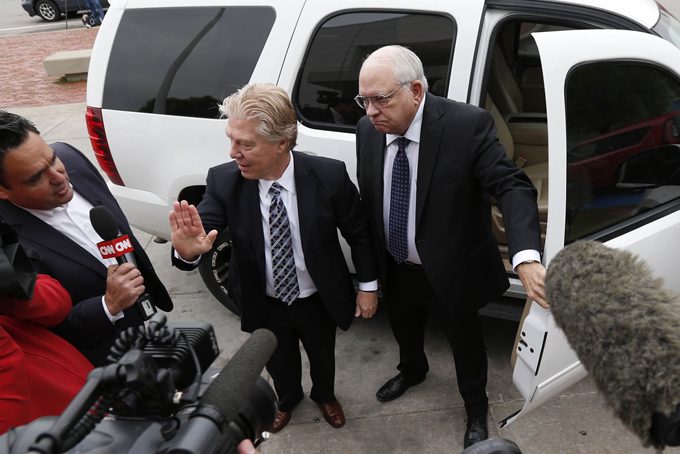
(613, 106)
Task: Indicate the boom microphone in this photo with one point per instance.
(625, 328)
(116, 246)
(227, 395)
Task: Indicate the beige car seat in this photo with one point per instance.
(538, 174)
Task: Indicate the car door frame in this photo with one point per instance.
(546, 363)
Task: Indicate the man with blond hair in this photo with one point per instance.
(287, 271)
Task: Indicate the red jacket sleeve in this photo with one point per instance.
(49, 306)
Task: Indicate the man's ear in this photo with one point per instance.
(3, 193)
(417, 90)
(282, 146)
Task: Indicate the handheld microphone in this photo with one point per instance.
(220, 406)
(116, 246)
(625, 328)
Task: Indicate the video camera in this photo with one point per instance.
(17, 275)
(134, 402)
(135, 407)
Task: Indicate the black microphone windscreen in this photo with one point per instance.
(230, 389)
(104, 223)
(623, 325)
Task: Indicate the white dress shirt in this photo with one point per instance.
(412, 153)
(73, 220)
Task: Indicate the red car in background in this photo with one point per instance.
(595, 161)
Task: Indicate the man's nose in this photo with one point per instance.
(371, 110)
(234, 152)
(57, 177)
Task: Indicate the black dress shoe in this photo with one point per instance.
(395, 387)
(477, 430)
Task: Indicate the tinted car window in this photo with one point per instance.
(623, 144)
(329, 78)
(183, 61)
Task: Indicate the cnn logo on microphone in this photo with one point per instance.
(115, 248)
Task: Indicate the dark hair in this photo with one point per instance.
(14, 131)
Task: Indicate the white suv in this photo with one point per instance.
(585, 93)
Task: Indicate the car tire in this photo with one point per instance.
(214, 269)
(48, 10)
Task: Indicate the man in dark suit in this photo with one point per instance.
(426, 167)
(287, 270)
(46, 193)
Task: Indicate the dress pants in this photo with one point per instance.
(409, 299)
(306, 320)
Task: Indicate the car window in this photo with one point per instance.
(184, 61)
(329, 77)
(623, 144)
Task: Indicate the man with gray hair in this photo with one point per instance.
(287, 271)
(426, 167)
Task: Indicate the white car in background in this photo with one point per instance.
(571, 84)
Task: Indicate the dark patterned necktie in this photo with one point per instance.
(283, 262)
(399, 201)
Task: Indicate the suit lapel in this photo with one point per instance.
(430, 138)
(305, 188)
(377, 153)
(249, 201)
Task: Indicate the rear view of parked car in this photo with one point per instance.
(52, 10)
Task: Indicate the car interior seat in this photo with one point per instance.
(537, 173)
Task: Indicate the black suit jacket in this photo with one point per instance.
(87, 327)
(327, 201)
(460, 163)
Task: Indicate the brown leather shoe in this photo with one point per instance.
(282, 418)
(332, 412)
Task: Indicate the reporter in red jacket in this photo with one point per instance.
(40, 372)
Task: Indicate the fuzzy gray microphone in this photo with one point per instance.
(625, 328)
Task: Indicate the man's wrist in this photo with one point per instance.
(527, 262)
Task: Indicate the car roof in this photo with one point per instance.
(645, 12)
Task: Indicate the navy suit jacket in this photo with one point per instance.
(460, 163)
(87, 327)
(327, 201)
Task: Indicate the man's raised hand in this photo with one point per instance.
(188, 236)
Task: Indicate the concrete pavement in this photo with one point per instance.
(429, 417)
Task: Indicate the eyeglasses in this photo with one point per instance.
(379, 101)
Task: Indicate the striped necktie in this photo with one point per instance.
(283, 262)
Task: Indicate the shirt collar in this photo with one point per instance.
(413, 131)
(287, 179)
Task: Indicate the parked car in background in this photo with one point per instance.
(555, 74)
(52, 10)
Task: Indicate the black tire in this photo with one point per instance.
(48, 10)
(214, 269)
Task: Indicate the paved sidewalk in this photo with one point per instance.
(23, 81)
